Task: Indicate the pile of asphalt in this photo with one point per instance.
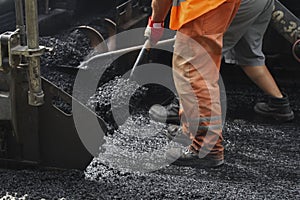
(262, 162)
(70, 48)
(115, 100)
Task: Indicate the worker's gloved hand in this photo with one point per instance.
(154, 31)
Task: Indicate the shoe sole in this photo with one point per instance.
(196, 163)
(278, 117)
(201, 164)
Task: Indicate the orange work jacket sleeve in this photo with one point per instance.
(184, 11)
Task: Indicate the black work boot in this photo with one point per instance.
(184, 156)
(181, 157)
(277, 108)
(168, 114)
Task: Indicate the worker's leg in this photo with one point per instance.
(196, 64)
(248, 54)
(261, 76)
(248, 49)
(278, 105)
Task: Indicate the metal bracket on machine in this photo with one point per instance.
(8, 41)
(128, 14)
(288, 25)
(11, 50)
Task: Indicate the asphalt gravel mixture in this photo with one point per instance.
(261, 156)
(262, 162)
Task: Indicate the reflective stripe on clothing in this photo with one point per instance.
(177, 2)
(205, 119)
(184, 11)
(204, 124)
(206, 128)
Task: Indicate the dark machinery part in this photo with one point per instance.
(45, 134)
(15, 50)
(285, 22)
(7, 16)
(296, 50)
(39, 132)
(287, 25)
(111, 27)
(96, 39)
(35, 93)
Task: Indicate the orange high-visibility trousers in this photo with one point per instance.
(196, 65)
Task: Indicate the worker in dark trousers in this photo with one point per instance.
(243, 46)
(197, 56)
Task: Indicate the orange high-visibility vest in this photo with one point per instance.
(184, 11)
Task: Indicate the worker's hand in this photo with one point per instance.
(154, 31)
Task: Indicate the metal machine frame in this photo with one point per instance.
(40, 133)
(287, 25)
